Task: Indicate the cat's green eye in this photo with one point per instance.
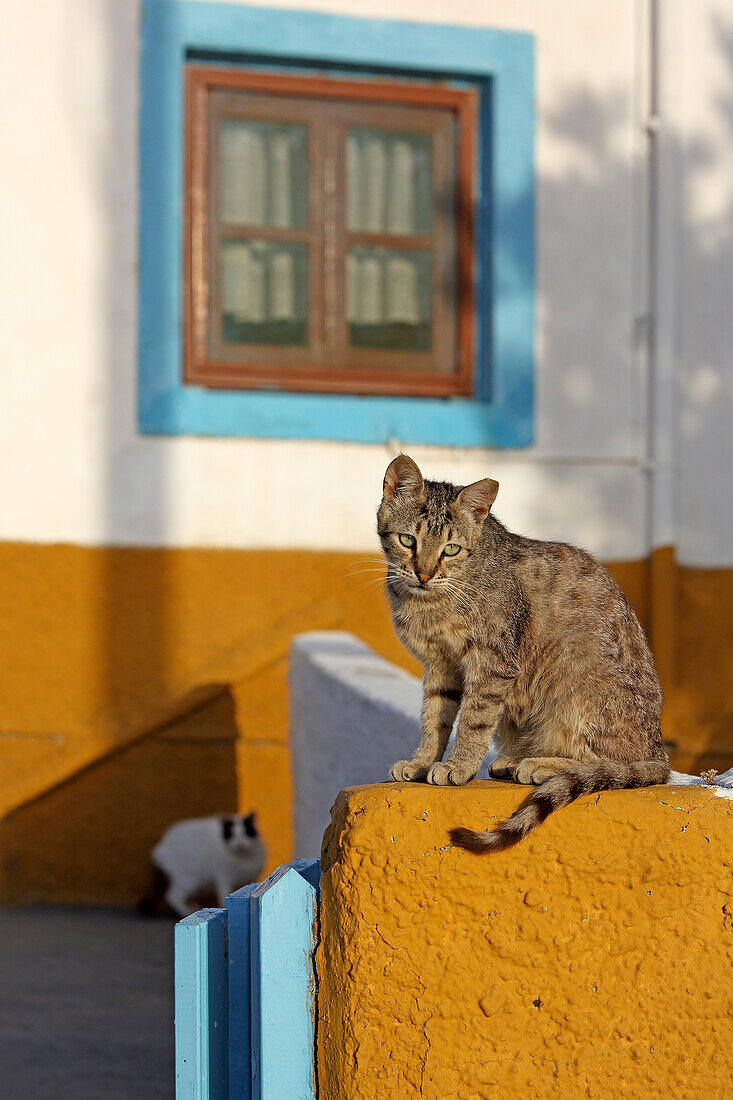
(451, 549)
(408, 540)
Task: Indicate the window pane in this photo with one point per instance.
(388, 181)
(389, 295)
(264, 292)
(263, 173)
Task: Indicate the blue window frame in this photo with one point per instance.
(500, 64)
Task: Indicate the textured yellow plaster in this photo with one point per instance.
(592, 960)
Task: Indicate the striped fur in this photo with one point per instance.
(555, 793)
(531, 645)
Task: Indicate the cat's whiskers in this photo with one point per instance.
(354, 567)
(462, 586)
(461, 597)
(373, 584)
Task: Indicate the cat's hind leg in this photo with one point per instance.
(507, 743)
(154, 904)
(177, 897)
(503, 767)
(536, 769)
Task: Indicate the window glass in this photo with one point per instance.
(264, 292)
(263, 173)
(328, 234)
(389, 298)
(388, 181)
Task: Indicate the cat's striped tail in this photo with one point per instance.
(558, 791)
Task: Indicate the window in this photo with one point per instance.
(328, 234)
(182, 389)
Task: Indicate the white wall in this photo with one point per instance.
(705, 441)
(72, 466)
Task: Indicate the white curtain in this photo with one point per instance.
(402, 204)
(258, 279)
(243, 169)
(383, 289)
(256, 174)
(279, 179)
(258, 282)
(382, 171)
(401, 299)
(383, 181)
(243, 283)
(282, 286)
(373, 155)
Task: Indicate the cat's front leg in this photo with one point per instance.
(177, 897)
(441, 700)
(224, 887)
(483, 705)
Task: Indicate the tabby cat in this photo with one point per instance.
(533, 641)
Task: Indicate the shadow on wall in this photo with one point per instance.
(705, 654)
(133, 609)
(88, 840)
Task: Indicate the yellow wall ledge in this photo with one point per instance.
(592, 960)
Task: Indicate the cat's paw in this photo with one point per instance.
(536, 771)
(407, 771)
(502, 768)
(444, 775)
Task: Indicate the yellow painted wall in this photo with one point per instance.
(104, 651)
(701, 699)
(88, 838)
(587, 961)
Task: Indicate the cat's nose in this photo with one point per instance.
(424, 577)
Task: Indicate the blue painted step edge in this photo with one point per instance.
(201, 1010)
(283, 938)
(240, 994)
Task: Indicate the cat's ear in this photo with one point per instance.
(402, 476)
(478, 498)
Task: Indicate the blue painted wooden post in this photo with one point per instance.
(310, 869)
(283, 936)
(240, 1034)
(201, 1006)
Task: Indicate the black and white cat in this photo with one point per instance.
(204, 855)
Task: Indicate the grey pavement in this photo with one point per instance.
(86, 1005)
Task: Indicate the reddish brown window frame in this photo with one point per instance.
(302, 369)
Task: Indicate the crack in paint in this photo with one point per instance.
(424, 1061)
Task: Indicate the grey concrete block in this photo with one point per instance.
(352, 714)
